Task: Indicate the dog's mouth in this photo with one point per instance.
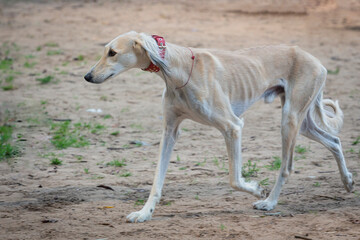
(109, 76)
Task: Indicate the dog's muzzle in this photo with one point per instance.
(88, 77)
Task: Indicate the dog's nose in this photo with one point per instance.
(88, 77)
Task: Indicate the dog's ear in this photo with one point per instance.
(138, 46)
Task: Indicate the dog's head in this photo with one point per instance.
(130, 50)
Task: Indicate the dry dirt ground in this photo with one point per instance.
(63, 39)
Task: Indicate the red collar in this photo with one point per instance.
(161, 43)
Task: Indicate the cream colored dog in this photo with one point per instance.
(222, 86)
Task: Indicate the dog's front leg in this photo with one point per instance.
(232, 136)
(171, 124)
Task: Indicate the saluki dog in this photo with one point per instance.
(215, 87)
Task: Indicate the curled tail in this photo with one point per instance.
(328, 120)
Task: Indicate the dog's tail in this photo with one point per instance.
(330, 121)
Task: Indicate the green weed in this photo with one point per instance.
(336, 72)
(45, 80)
(54, 52)
(30, 56)
(178, 158)
(97, 128)
(201, 163)
(66, 136)
(55, 161)
(301, 150)
(116, 133)
(8, 87)
(275, 165)
(264, 182)
(125, 174)
(249, 169)
(356, 141)
(51, 44)
(29, 64)
(140, 202)
(86, 170)
(79, 58)
(182, 168)
(6, 64)
(6, 149)
(107, 116)
(38, 48)
(222, 227)
(9, 79)
(317, 184)
(117, 163)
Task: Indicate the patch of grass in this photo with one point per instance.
(38, 48)
(222, 227)
(336, 72)
(275, 165)
(103, 98)
(140, 202)
(197, 197)
(30, 56)
(178, 158)
(29, 64)
(86, 170)
(54, 52)
(185, 129)
(9, 79)
(107, 116)
(316, 184)
(51, 44)
(97, 128)
(6, 64)
(116, 133)
(45, 80)
(66, 136)
(43, 102)
(8, 87)
(182, 168)
(55, 161)
(125, 174)
(201, 164)
(249, 169)
(216, 161)
(301, 150)
(356, 141)
(117, 163)
(6, 149)
(79, 58)
(264, 182)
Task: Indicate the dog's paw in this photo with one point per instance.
(349, 183)
(140, 216)
(265, 205)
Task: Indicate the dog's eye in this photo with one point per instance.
(111, 53)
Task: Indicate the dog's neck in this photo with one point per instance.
(179, 61)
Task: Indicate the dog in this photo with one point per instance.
(215, 87)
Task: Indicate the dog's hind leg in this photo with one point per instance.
(332, 143)
(170, 133)
(296, 104)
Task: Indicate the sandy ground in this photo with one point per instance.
(40, 201)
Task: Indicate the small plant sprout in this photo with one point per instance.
(201, 164)
(55, 161)
(45, 80)
(116, 133)
(301, 150)
(6, 149)
(178, 158)
(222, 227)
(264, 182)
(117, 163)
(140, 202)
(316, 184)
(197, 197)
(249, 170)
(275, 165)
(86, 170)
(356, 141)
(125, 174)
